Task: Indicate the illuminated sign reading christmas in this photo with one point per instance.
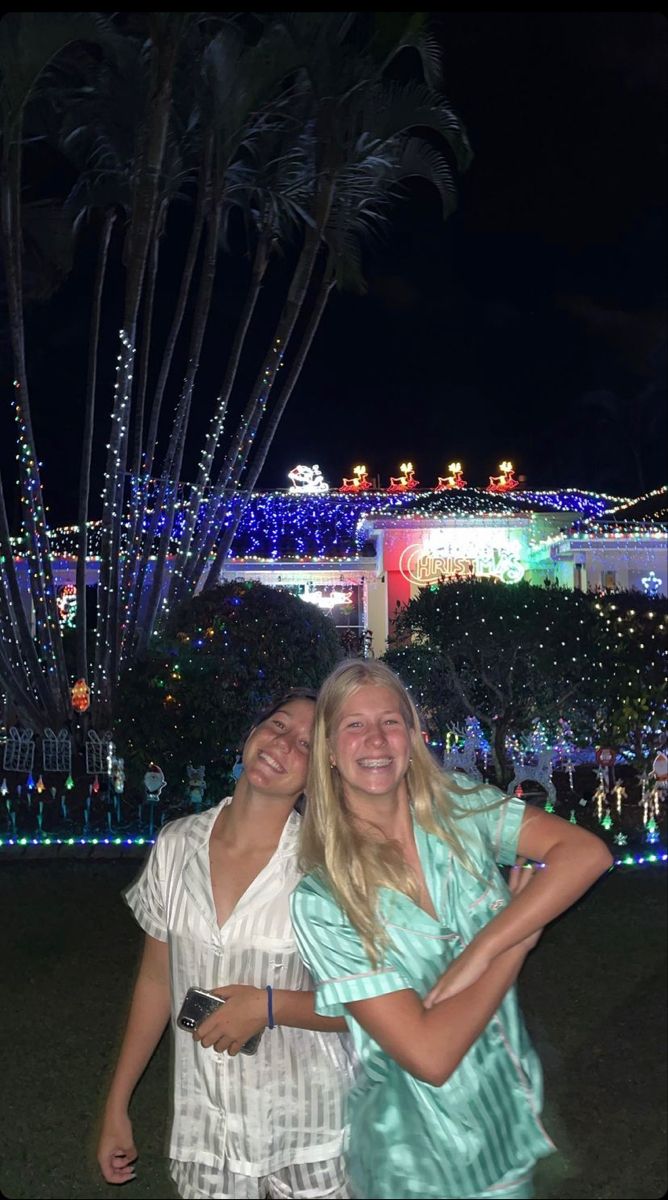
(425, 564)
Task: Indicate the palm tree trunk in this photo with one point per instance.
(237, 456)
(241, 446)
(81, 631)
(138, 486)
(140, 543)
(179, 312)
(256, 407)
(174, 457)
(315, 316)
(183, 575)
(27, 670)
(139, 237)
(18, 696)
(33, 514)
(145, 355)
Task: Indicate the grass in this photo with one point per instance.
(593, 994)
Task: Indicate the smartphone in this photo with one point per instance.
(199, 1004)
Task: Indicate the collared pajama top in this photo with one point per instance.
(482, 1128)
(283, 1105)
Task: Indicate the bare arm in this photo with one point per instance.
(296, 1009)
(571, 860)
(149, 1014)
(430, 1043)
(246, 1011)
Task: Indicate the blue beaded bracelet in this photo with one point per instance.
(270, 1008)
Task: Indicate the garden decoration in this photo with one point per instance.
(19, 750)
(154, 782)
(196, 786)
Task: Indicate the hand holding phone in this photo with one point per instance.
(197, 1005)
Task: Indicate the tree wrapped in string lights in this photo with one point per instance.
(288, 133)
(508, 655)
(632, 638)
(224, 656)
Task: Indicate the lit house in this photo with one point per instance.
(360, 552)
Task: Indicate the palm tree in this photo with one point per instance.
(166, 30)
(241, 109)
(362, 143)
(96, 134)
(300, 133)
(29, 43)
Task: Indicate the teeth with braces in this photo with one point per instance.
(271, 761)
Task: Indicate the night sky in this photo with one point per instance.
(480, 339)
(530, 326)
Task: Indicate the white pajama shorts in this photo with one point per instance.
(300, 1181)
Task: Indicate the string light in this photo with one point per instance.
(359, 482)
(19, 844)
(307, 480)
(505, 481)
(324, 529)
(22, 842)
(299, 526)
(454, 480)
(406, 482)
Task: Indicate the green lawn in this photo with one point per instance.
(593, 992)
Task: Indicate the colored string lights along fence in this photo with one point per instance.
(20, 844)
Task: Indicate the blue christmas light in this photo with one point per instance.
(331, 526)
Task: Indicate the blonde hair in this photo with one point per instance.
(354, 863)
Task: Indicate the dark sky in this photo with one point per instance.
(531, 325)
(480, 339)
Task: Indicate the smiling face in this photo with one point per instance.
(371, 744)
(276, 752)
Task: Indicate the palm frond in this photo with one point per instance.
(419, 160)
(28, 44)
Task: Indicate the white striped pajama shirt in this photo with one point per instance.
(247, 1115)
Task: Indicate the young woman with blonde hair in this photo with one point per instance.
(411, 933)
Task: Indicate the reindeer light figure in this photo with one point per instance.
(406, 481)
(505, 481)
(453, 480)
(359, 482)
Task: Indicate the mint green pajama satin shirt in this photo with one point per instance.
(481, 1130)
